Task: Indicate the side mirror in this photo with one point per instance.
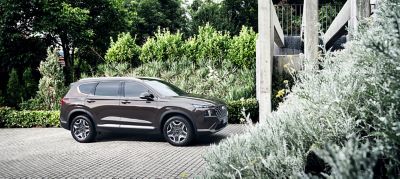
(146, 95)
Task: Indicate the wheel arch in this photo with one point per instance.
(166, 115)
(77, 112)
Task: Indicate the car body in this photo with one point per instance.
(138, 105)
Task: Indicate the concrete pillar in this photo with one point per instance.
(264, 56)
(311, 27)
(359, 9)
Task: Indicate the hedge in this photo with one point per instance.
(25, 118)
(235, 110)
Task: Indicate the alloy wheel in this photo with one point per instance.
(177, 131)
(81, 129)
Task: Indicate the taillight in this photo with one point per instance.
(64, 101)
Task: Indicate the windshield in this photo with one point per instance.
(164, 88)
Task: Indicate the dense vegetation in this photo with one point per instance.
(340, 120)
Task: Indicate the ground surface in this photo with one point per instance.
(52, 152)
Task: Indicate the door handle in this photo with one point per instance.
(125, 102)
(90, 101)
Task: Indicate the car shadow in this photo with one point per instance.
(200, 140)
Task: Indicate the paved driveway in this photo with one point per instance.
(51, 152)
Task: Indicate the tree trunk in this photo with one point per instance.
(67, 59)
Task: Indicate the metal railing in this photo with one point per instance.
(290, 17)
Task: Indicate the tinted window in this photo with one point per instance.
(134, 89)
(107, 89)
(165, 88)
(87, 88)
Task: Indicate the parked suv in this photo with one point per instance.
(138, 104)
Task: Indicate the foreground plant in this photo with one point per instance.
(349, 108)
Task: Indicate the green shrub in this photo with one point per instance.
(30, 86)
(226, 82)
(4, 111)
(13, 89)
(26, 119)
(353, 93)
(242, 49)
(235, 109)
(112, 69)
(163, 47)
(208, 45)
(124, 50)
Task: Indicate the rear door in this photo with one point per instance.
(137, 113)
(104, 103)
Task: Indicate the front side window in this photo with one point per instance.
(107, 89)
(134, 89)
(165, 88)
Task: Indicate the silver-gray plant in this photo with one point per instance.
(354, 93)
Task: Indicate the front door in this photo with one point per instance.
(137, 113)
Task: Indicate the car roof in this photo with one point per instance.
(117, 79)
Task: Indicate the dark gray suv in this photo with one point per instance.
(138, 105)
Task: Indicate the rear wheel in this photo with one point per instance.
(82, 129)
(178, 131)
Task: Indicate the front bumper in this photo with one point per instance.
(215, 127)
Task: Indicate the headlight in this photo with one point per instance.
(201, 106)
(208, 109)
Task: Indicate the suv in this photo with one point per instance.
(138, 104)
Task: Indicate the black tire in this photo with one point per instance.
(85, 137)
(181, 121)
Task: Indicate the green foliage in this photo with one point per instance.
(224, 82)
(163, 47)
(51, 85)
(123, 50)
(112, 69)
(242, 49)
(30, 85)
(226, 15)
(235, 109)
(342, 101)
(14, 118)
(4, 111)
(154, 14)
(13, 89)
(208, 44)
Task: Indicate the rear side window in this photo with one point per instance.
(107, 89)
(87, 88)
(134, 89)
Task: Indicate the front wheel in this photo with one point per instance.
(82, 129)
(178, 131)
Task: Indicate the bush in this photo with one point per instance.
(30, 85)
(353, 95)
(124, 50)
(235, 109)
(13, 89)
(112, 69)
(163, 47)
(208, 45)
(26, 119)
(226, 82)
(242, 49)
(4, 111)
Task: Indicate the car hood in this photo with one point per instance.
(198, 99)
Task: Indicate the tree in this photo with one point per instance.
(13, 89)
(51, 85)
(123, 50)
(227, 15)
(154, 14)
(29, 84)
